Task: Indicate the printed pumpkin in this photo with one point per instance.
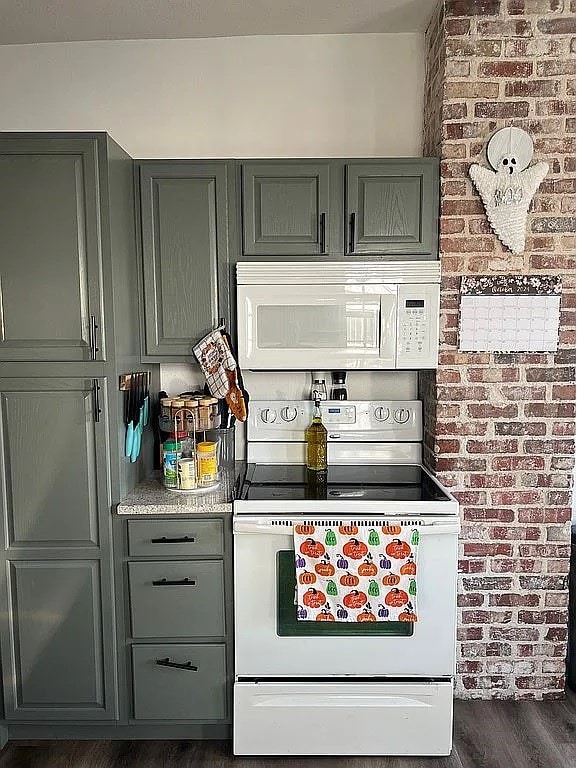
(391, 530)
(396, 598)
(304, 530)
(312, 548)
(355, 549)
(324, 568)
(391, 579)
(398, 549)
(307, 578)
(325, 615)
(366, 616)
(348, 530)
(314, 598)
(355, 599)
(409, 568)
(349, 580)
(367, 569)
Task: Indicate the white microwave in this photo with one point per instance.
(338, 315)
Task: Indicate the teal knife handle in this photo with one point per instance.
(129, 439)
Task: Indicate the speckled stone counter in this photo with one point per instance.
(150, 497)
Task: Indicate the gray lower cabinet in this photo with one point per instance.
(183, 214)
(179, 653)
(179, 681)
(340, 208)
(50, 284)
(56, 630)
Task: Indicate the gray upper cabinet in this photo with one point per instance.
(340, 208)
(286, 208)
(392, 207)
(184, 253)
(50, 255)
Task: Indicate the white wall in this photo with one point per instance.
(270, 96)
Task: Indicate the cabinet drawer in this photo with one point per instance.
(175, 538)
(177, 599)
(179, 682)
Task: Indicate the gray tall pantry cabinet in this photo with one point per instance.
(69, 327)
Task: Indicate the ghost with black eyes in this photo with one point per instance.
(507, 192)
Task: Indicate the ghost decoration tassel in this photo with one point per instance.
(507, 193)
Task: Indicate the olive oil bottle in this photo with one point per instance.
(316, 442)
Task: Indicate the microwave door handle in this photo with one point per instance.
(388, 328)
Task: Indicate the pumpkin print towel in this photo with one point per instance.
(356, 573)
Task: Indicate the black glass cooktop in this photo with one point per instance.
(289, 482)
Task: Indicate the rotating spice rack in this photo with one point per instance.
(171, 424)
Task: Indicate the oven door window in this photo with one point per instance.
(288, 625)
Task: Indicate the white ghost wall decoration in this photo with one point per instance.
(507, 192)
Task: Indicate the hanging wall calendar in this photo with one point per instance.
(509, 313)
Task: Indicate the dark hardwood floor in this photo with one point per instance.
(488, 734)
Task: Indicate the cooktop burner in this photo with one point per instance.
(286, 482)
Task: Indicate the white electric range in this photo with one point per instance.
(320, 688)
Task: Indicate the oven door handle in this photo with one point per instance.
(426, 529)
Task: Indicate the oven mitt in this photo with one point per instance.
(234, 396)
(215, 359)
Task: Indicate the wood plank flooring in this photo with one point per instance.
(488, 734)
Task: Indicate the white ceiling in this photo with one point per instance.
(49, 21)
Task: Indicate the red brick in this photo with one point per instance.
(531, 617)
(564, 392)
(458, 464)
(487, 411)
(555, 67)
(511, 533)
(487, 550)
(524, 393)
(468, 667)
(473, 600)
(544, 550)
(556, 633)
(486, 583)
(539, 515)
(511, 498)
(505, 69)
(504, 463)
(539, 682)
(549, 446)
(465, 46)
(471, 90)
(491, 481)
(550, 410)
(543, 582)
(540, 88)
(521, 565)
(514, 633)
(471, 566)
(509, 29)
(553, 224)
(492, 446)
(472, 7)
(457, 27)
(502, 110)
(520, 428)
(512, 600)
(489, 514)
(558, 26)
(469, 633)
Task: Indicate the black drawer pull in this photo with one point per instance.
(181, 540)
(168, 663)
(178, 583)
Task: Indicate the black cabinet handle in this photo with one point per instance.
(168, 663)
(92, 337)
(166, 540)
(96, 399)
(174, 583)
(352, 233)
(322, 227)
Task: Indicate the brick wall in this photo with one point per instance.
(499, 427)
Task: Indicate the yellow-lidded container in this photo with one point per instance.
(206, 463)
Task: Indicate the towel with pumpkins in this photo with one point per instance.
(356, 572)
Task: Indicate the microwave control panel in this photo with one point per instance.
(417, 325)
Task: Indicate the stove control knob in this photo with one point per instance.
(288, 413)
(381, 414)
(402, 415)
(268, 415)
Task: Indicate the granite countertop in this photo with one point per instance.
(150, 497)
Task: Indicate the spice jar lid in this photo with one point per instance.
(206, 401)
(206, 447)
(178, 403)
(212, 400)
(191, 403)
(165, 401)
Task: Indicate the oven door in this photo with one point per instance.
(270, 642)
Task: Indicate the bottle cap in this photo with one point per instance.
(170, 445)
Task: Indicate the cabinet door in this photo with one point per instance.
(57, 658)
(50, 262)
(183, 214)
(53, 462)
(285, 208)
(392, 207)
